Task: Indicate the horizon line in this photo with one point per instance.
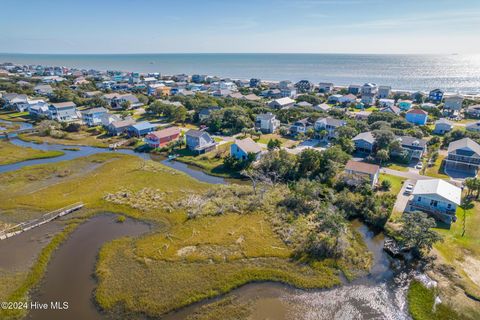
(234, 53)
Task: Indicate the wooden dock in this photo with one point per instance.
(25, 226)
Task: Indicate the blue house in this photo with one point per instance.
(436, 95)
(241, 148)
(404, 104)
(141, 129)
(417, 116)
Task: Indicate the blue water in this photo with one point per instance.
(455, 73)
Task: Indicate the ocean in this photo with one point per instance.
(453, 73)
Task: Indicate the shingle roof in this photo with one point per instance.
(62, 105)
(367, 136)
(248, 145)
(362, 167)
(439, 187)
(418, 111)
(464, 143)
(412, 141)
(143, 125)
(166, 132)
(195, 133)
(95, 110)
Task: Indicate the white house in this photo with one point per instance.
(437, 198)
(282, 103)
(63, 111)
(267, 122)
(330, 125)
(386, 102)
(384, 92)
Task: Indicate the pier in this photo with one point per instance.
(25, 226)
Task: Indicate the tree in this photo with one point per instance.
(386, 185)
(382, 156)
(416, 232)
(383, 138)
(465, 205)
(274, 144)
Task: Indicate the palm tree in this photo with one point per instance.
(465, 205)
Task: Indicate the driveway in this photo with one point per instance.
(402, 198)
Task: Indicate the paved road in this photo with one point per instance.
(412, 175)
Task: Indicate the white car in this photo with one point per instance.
(419, 166)
(409, 188)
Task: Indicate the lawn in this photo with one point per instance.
(396, 166)
(286, 143)
(210, 162)
(436, 171)
(10, 153)
(397, 182)
(15, 116)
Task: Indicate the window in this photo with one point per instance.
(419, 199)
(449, 205)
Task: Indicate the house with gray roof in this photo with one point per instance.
(414, 147)
(63, 111)
(330, 125)
(267, 122)
(242, 148)
(364, 142)
(436, 197)
(442, 126)
(199, 141)
(464, 156)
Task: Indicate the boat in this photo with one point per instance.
(172, 156)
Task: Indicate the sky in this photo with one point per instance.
(263, 26)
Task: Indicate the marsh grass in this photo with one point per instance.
(11, 153)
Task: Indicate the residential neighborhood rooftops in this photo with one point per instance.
(418, 111)
(143, 125)
(412, 142)
(439, 187)
(195, 133)
(167, 132)
(122, 123)
(62, 105)
(95, 110)
(464, 143)
(248, 145)
(362, 167)
(367, 136)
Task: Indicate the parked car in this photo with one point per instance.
(419, 166)
(409, 188)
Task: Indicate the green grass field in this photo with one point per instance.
(11, 153)
(436, 171)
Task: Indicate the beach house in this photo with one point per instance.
(384, 92)
(435, 95)
(282, 103)
(162, 137)
(267, 122)
(414, 147)
(300, 126)
(364, 142)
(199, 141)
(93, 117)
(357, 171)
(463, 156)
(417, 116)
(141, 129)
(436, 197)
(453, 103)
(325, 87)
(116, 128)
(330, 125)
(63, 111)
(240, 149)
(442, 126)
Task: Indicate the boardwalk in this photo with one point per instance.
(25, 226)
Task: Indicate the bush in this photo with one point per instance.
(386, 185)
